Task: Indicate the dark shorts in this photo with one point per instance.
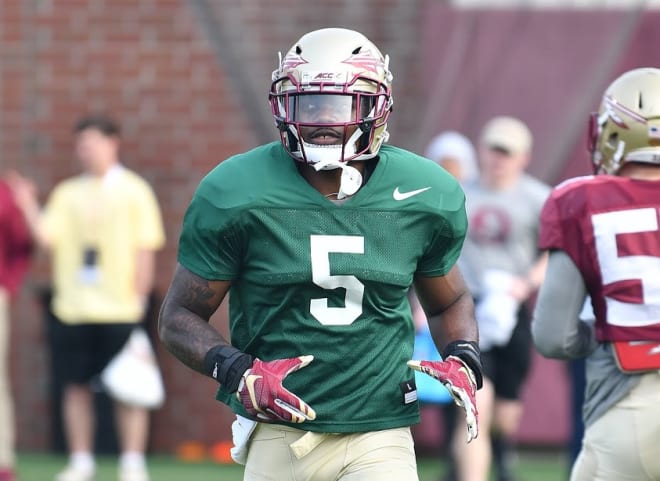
(507, 366)
(81, 351)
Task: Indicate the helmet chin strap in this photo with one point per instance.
(326, 157)
(351, 178)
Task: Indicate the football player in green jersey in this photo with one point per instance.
(317, 239)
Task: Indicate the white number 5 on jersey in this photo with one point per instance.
(321, 247)
(642, 268)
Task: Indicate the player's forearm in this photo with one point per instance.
(556, 328)
(449, 307)
(455, 334)
(455, 322)
(183, 323)
(186, 335)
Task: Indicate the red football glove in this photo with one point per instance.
(262, 394)
(459, 380)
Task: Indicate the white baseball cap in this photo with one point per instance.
(457, 146)
(507, 133)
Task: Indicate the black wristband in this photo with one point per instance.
(226, 364)
(469, 353)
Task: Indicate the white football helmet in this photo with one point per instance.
(331, 98)
(627, 126)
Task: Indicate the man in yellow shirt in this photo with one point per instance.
(102, 228)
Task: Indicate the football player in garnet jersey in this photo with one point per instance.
(603, 235)
(318, 238)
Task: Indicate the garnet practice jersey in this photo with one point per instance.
(310, 276)
(609, 227)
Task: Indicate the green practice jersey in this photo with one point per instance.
(311, 276)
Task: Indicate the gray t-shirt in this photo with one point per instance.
(503, 229)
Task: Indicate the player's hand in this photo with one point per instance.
(262, 394)
(461, 384)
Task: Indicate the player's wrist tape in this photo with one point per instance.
(226, 364)
(469, 353)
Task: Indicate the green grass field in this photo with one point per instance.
(42, 467)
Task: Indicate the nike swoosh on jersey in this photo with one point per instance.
(398, 195)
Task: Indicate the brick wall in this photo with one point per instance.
(189, 89)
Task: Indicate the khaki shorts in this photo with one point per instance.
(623, 444)
(282, 453)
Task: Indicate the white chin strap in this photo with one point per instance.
(351, 179)
(327, 157)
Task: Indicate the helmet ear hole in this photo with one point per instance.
(366, 126)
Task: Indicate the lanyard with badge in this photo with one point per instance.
(92, 218)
